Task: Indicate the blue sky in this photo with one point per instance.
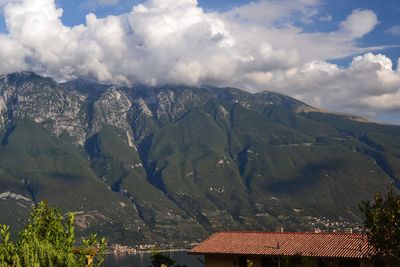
(388, 12)
(337, 55)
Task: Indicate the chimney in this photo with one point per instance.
(348, 230)
(279, 229)
(315, 230)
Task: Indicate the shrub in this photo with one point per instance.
(49, 240)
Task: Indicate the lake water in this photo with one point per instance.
(143, 260)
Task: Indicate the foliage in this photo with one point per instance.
(49, 240)
(160, 260)
(382, 226)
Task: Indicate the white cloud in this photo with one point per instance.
(12, 56)
(368, 85)
(325, 18)
(108, 2)
(3, 3)
(93, 4)
(175, 41)
(359, 23)
(394, 30)
(277, 12)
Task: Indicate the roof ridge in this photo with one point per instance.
(285, 233)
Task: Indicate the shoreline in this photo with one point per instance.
(147, 251)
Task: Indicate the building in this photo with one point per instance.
(279, 249)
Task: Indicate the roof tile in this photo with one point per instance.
(330, 245)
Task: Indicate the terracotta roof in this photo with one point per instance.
(329, 245)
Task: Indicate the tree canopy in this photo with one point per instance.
(382, 226)
(158, 259)
(49, 240)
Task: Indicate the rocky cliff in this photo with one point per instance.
(147, 164)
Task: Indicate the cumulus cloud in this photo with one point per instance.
(256, 46)
(359, 23)
(5, 2)
(367, 86)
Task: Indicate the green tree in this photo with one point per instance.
(49, 240)
(160, 260)
(382, 226)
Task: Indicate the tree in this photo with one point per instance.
(160, 260)
(49, 240)
(382, 226)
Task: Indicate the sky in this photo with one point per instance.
(337, 55)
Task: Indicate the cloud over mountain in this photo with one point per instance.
(176, 41)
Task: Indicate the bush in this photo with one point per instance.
(49, 240)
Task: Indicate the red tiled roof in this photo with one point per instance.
(329, 245)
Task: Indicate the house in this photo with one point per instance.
(279, 249)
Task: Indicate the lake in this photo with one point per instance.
(143, 260)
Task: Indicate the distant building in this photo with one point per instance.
(279, 249)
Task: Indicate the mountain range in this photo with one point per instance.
(175, 163)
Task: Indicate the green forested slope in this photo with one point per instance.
(172, 164)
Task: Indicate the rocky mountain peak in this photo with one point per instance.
(153, 163)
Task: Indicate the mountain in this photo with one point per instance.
(175, 163)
